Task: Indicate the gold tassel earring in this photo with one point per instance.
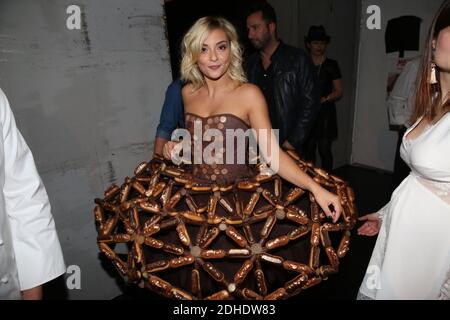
(433, 79)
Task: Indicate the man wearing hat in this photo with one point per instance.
(330, 83)
(285, 75)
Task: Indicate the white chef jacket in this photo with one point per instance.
(30, 252)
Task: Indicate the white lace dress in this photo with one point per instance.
(411, 258)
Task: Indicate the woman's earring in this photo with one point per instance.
(433, 79)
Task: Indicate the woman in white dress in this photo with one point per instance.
(411, 259)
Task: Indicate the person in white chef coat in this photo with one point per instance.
(30, 252)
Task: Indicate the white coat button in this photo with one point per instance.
(1, 242)
(4, 280)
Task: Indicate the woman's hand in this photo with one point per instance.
(324, 99)
(371, 226)
(167, 149)
(325, 198)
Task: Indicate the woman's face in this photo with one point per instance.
(215, 56)
(442, 47)
(317, 47)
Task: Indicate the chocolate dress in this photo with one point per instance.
(221, 231)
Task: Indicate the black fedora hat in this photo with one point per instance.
(317, 33)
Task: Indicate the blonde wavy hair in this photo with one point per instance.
(191, 48)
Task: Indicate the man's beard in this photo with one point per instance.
(261, 43)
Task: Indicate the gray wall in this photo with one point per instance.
(374, 145)
(339, 17)
(87, 102)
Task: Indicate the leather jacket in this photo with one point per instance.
(291, 89)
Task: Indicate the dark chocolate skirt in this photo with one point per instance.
(258, 238)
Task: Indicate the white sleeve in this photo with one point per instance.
(37, 249)
(400, 102)
(383, 211)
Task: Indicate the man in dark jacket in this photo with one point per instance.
(285, 75)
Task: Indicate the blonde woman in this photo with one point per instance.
(212, 67)
(217, 97)
(226, 228)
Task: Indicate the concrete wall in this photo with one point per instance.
(87, 102)
(374, 145)
(339, 18)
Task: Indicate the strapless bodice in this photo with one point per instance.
(219, 148)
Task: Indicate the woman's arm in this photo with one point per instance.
(171, 116)
(286, 168)
(336, 94)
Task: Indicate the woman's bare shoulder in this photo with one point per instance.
(250, 93)
(187, 90)
(249, 88)
(190, 94)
